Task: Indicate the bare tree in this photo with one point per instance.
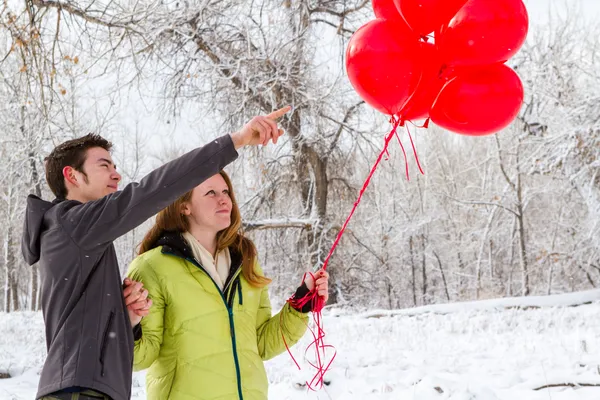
(512, 214)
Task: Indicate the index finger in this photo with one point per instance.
(275, 115)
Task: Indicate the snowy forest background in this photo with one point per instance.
(517, 213)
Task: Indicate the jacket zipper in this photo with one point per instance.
(105, 341)
(235, 355)
(230, 312)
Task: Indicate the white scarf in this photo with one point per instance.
(217, 267)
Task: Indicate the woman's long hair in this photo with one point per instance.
(171, 220)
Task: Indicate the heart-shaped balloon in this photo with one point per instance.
(429, 86)
(479, 100)
(484, 32)
(385, 9)
(426, 16)
(381, 64)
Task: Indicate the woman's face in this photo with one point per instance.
(210, 205)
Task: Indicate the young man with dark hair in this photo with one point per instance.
(88, 311)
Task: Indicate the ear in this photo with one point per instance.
(69, 174)
(185, 209)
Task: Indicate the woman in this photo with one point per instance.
(210, 325)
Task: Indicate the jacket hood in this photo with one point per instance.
(34, 227)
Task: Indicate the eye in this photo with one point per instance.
(105, 165)
(211, 192)
(226, 192)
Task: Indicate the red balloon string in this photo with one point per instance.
(316, 300)
(318, 335)
(388, 138)
(414, 151)
(404, 153)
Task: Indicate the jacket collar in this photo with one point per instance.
(174, 243)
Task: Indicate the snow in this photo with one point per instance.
(564, 300)
(462, 351)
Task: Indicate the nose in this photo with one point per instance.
(223, 199)
(116, 176)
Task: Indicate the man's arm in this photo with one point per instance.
(99, 222)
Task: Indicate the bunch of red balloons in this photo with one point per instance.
(441, 59)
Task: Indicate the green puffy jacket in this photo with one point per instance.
(200, 342)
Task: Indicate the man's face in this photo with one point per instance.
(102, 176)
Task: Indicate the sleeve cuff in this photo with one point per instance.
(137, 332)
(229, 140)
(302, 292)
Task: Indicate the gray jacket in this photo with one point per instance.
(88, 333)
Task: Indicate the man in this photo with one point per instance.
(87, 314)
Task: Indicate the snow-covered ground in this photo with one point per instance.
(461, 351)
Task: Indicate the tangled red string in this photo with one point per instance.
(318, 335)
(316, 301)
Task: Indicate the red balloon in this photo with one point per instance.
(429, 86)
(381, 64)
(439, 34)
(479, 100)
(484, 32)
(426, 16)
(385, 9)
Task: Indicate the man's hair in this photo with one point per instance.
(71, 153)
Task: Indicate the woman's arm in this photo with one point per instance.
(147, 348)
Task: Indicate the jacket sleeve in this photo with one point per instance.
(147, 348)
(269, 329)
(99, 222)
